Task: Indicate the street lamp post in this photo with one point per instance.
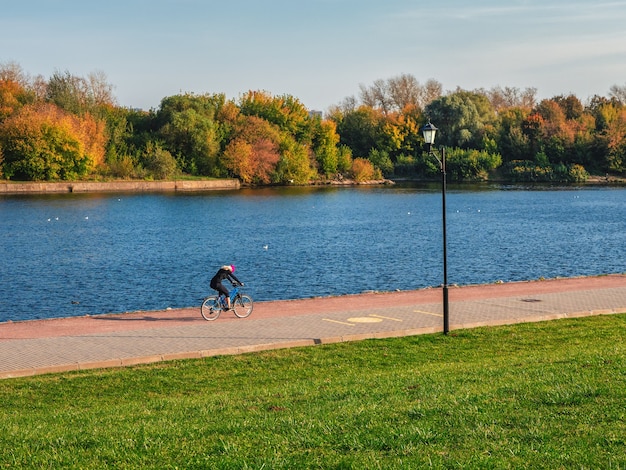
(429, 132)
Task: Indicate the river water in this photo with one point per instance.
(78, 254)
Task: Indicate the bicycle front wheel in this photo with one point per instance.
(243, 306)
(210, 308)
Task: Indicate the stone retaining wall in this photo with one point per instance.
(118, 186)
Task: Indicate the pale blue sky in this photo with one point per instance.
(319, 51)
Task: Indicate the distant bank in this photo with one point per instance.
(216, 185)
(117, 186)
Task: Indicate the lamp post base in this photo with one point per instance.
(446, 311)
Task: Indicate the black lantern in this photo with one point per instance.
(429, 131)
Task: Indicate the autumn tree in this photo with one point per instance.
(565, 134)
(15, 91)
(43, 142)
(253, 151)
(12, 97)
(286, 112)
(404, 132)
(610, 136)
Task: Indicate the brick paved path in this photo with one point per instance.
(55, 345)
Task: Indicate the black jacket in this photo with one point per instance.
(221, 275)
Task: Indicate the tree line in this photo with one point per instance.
(70, 128)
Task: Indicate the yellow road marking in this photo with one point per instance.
(340, 322)
(429, 313)
(365, 319)
(386, 318)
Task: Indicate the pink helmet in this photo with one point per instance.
(232, 267)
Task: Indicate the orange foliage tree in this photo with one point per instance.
(253, 152)
(42, 142)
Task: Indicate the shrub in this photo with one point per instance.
(577, 173)
(363, 170)
(471, 164)
(122, 167)
(529, 172)
(159, 162)
(380, 159)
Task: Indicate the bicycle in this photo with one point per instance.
(213, 305)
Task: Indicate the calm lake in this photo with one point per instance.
(77, 254)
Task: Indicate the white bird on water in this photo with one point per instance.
(265, 247)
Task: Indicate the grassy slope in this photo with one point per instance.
(545, 395)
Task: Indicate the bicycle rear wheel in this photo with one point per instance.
(210, 308)
(243, 306)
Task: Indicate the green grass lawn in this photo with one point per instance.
(543, 395)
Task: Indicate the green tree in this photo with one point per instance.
(294, 166)
(190, 132)
(344, 159)
(325, 147)
(360, 130)
(461, 118)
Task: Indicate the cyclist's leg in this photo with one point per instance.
(223, 291)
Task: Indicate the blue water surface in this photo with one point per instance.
(77, 254)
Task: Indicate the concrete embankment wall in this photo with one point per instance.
(118, 186)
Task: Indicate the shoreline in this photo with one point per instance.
(139, 186)
(117, 186)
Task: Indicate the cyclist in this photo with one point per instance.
(225, 272)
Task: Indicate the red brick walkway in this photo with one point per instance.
(34, 347)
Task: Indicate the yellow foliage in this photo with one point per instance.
(363, 170)
(31, 128)
(237, 156)
(9, 93)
